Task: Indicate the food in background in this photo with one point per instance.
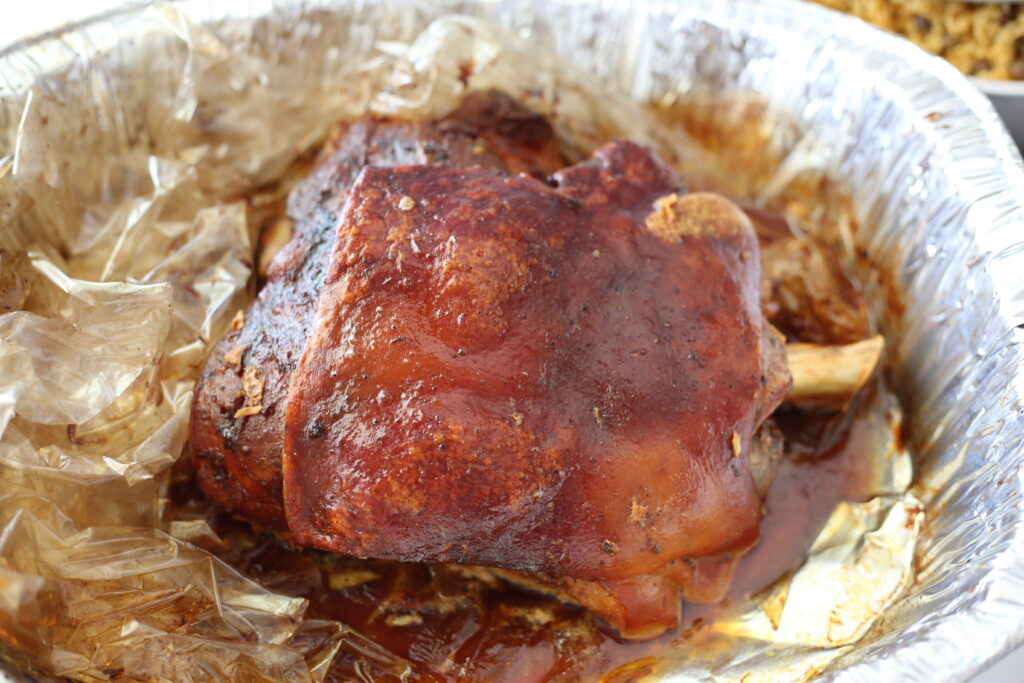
(979, 38)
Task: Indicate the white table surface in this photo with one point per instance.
(30, 18)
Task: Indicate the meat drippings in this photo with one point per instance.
(449, 622)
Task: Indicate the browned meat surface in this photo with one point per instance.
(563, 379)
(238, 459)
(647, 605)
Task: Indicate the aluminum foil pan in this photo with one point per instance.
(87, 117)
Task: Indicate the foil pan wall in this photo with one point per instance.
(936, 185)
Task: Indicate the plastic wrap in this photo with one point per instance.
(138, 156)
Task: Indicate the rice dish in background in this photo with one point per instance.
(981, 39)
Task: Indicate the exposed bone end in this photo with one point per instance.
(831, 374)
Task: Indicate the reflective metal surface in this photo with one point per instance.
(935, 184)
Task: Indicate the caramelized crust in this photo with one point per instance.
(564, 379)
(238, 459)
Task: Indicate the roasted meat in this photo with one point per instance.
(238, 460)
(468, 355)
(559, 379)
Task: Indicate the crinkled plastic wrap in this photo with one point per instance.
(140, 152)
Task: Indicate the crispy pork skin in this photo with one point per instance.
(563, 378)
(238, 459)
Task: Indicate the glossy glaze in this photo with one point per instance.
(561, 378)
(238, 460)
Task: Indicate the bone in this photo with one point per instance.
(830, 374)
